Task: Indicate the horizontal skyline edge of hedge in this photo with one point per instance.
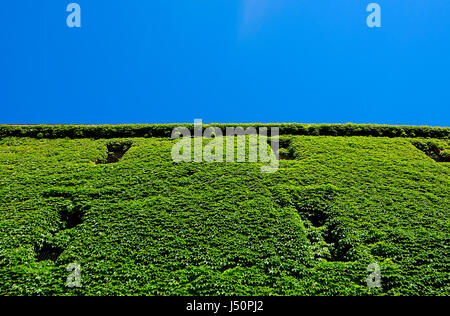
(165, 130)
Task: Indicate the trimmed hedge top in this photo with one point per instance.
(165, 130)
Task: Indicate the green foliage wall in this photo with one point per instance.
(148, 226)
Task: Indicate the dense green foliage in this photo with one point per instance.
(165, 130)
(149, 226)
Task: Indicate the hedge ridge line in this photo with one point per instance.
(165, 130)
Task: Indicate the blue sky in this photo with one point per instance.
(170, 61)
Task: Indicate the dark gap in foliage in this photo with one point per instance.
(186, 170)
(319, 233)
(285, 154)
(284, 150)
(339, 250)
(322, 231)
(71, 216)
(317, 217)
(116, 150)
(49, 252)
(57, 192)
(432, 150)
(314, 205)
(227, 267)
(190, 172)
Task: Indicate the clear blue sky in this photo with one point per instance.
(161, 61)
